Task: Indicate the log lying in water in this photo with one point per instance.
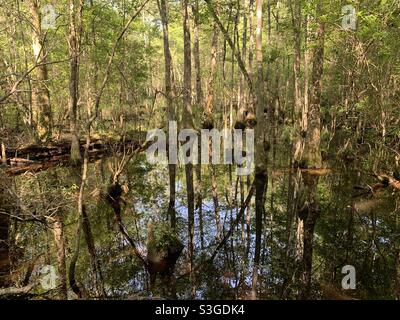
(34, 158)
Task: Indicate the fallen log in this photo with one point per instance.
(14, 292)
(34, 158)
(42, 152)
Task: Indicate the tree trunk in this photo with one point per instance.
(196, 52)
(237, 56)
(297, 114)
(73, 45)
(199, 102)
(214, 192)
(312, 154)
(208, 123)
(188, 124)
(261, 173)
(4, 228)
(41, 107)
(95, 262)
(242, 107)
(58, 229)
(208, 119)
(163, 9)
(294, 224)
(309, 221)
(72, 266)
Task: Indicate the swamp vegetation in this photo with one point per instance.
(82, 82)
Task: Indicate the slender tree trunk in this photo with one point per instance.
(242, 99)
(214, 192)
(312, 154)
(250, 109)
(199, 102)
(3, 154)
(298, 185)
(208, 119)
(251, 38)
(294, 224)
(241, 64)
(261, 173)
(188, 123)
(199, 201)
(93, 66)
(4, 229)
(313, 213)
(73, 45)
(41, 107)
(307, 55)
(251, 72)
(196, 52)
(85, 222)
(297, 114)
(232, 82)
(95, 262)
(208, 123)
(58, 229)
(163, 9)
(396, 253)
(72, 266)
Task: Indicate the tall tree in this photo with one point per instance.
(208, 121)
(41, 107)
(163, 9)
(199, 103)
(188, 124)
(261, 173)
(312, 152)
(242, 101)
(294, 224)
(74, 36)
(196, 51)
(295, 11)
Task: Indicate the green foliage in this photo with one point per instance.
(162, 237)
(359, 133)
